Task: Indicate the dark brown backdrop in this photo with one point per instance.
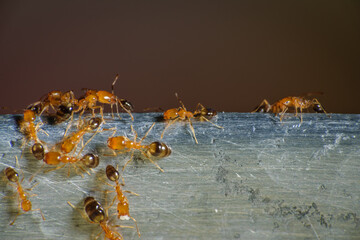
(229, 55)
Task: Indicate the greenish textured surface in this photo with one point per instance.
(257, 178)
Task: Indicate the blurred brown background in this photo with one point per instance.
(228, 55)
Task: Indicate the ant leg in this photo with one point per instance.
(137, 228)
(125, 109)
(204, 118)
(132, 193)
(13, 221)
(131, 158)
(152, 162)
(181, 103)
(168, 125)
(263, 103)
(282, 113)
(42, 215)
(134, 132)
(147, 133)
(193, 131)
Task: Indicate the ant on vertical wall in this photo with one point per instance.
(154, 149)
(282, 106)
(201, 113)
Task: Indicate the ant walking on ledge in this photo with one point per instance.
(282, 106)
(154, 149)
(96, 214)
(123, 204)
(93, 96)
(24, 202)
(201, 113)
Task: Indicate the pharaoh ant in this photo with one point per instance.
(93, 96)
(201, 113)
(71, 141)
(123, 204)
(282, 106)
(96, 214)
(24, 202)
(53, 99)
(89, 160)
(154, 149)
(28, 127)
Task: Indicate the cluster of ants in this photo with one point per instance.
(63, 105)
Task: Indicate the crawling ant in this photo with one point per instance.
(93, 96)
(123, 204)
(201, 113)
(282, 106)
(96, 214)
(53, 99)
(28, 127)
(154, 149)
(69, 143)
(89, 160)
(24, 202)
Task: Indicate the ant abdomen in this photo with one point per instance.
(90, 160)
(38, 151)
(159, 149)
(317, 108)
(94, 123)
(111, 173)
(126, 104)
(11, 174)
(94, 210)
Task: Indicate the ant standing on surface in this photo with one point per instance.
(282, 106)
(93, 96)
(154, 149)
(24, 202)
(174, 114)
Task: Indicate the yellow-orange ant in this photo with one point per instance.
(93, 96)
(154, 149)
(201, 113)
(24, 201)
(282, 106)
(123, 204)
(96, 214)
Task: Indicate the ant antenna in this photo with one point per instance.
(181, 103)
(113, 84)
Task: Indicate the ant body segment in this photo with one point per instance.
(123, 204)
(93, 96)
(282, 106)
(155, 149)
(201, 113)
(96, 214)
(24, 202)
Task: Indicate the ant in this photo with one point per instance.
(28, 127)
(281, 107)
(53, 99)
(96, 214)
(201, 113)
(69, 143)
(123, 204)
(89, 160)
(154, 149)
(93, 96)
(24, 202)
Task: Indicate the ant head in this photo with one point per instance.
(126, 104)
(317, 108)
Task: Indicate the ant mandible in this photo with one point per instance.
(154, 149)
(24, 202)
(282, 106)
(93, 96)
(123, 204)
(201, 113)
